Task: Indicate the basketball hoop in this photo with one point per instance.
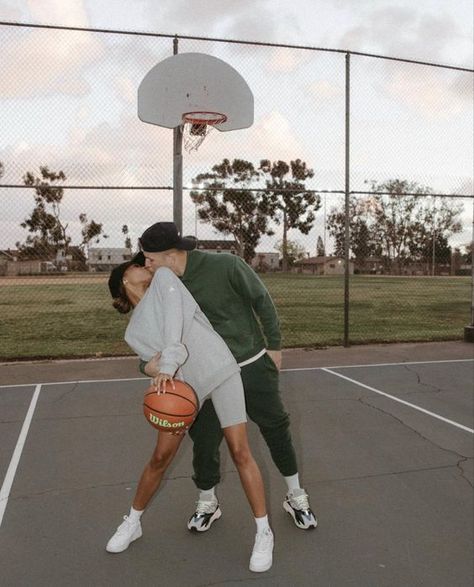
(197, 125)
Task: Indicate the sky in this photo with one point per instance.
(68, 100)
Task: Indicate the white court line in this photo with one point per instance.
(76, 381)
(283, 371)
(401, 401)
(9, 477)
(384, 364)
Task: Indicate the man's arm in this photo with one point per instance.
(248, 284)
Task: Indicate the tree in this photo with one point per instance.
(320, 250)
(398, 223)
(48, 232)
(286, 200)
(362, 243)
(468, 255)
(128, 240)
(91, 231)
(227, 204)
(439, 219)
(407, 224)
(294, 251)
(397, 218)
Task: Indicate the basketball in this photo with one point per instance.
(171, 411)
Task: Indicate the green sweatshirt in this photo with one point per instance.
(235, 301)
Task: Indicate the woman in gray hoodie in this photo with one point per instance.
(168, 325)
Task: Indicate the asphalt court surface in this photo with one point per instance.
(385, 447)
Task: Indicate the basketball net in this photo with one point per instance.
(197, 125)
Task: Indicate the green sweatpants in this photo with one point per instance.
(264, 407)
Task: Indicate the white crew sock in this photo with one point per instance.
(293, 482)
(208, 494)
(135, 515)
(262, 524)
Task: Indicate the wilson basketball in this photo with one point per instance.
(171, 411)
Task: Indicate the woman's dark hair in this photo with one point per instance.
(122, 303)
(117, 289)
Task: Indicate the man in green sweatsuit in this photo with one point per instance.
(241, 310)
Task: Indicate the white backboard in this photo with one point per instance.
(195, 82)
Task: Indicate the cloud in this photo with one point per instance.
(259, 20)
(272, 137)
(325, 89)
(405, 32)
(133, 153)
(437, 94)
(466, 188)
(412, 33)
(10, 11)
(103, 155)
(59, 12)
(39, 62)
(126, 89)
(286, 60)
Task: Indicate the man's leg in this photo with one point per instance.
(206, 434)
(265, 408)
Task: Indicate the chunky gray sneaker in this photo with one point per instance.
(262, 554)
(204, 516)
(297, 505)
(126, 533)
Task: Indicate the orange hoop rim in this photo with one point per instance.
(203, 117)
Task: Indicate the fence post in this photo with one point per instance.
(469, 330)
(347, 204)
(177, 167)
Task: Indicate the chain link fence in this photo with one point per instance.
(360, 236)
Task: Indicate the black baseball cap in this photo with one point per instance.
(163, 236)
(117, 273)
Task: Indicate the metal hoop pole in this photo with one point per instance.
(347, 204)
(177, 167)
(469, 329)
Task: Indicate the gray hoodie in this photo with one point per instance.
(168, 320)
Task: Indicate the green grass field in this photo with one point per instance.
(73, 320)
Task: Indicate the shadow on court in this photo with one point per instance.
(385, 446)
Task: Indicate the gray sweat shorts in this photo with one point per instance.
(229, 401)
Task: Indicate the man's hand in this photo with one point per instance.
(275, 356)
(152, 368)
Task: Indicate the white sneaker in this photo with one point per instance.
(262, 554)
(297, 505)
(126, 533)
(204, 516)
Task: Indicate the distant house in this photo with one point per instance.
(266, 262)
(322, 266)
(74, 260)
(10, 265)
(105, 259)
(380, 266)
(261, 261)
(218, 246)
(370, 265)
(8, 255)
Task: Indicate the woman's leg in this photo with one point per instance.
(229, 403)
(250, 476)
(164, 452)
(130, 529)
